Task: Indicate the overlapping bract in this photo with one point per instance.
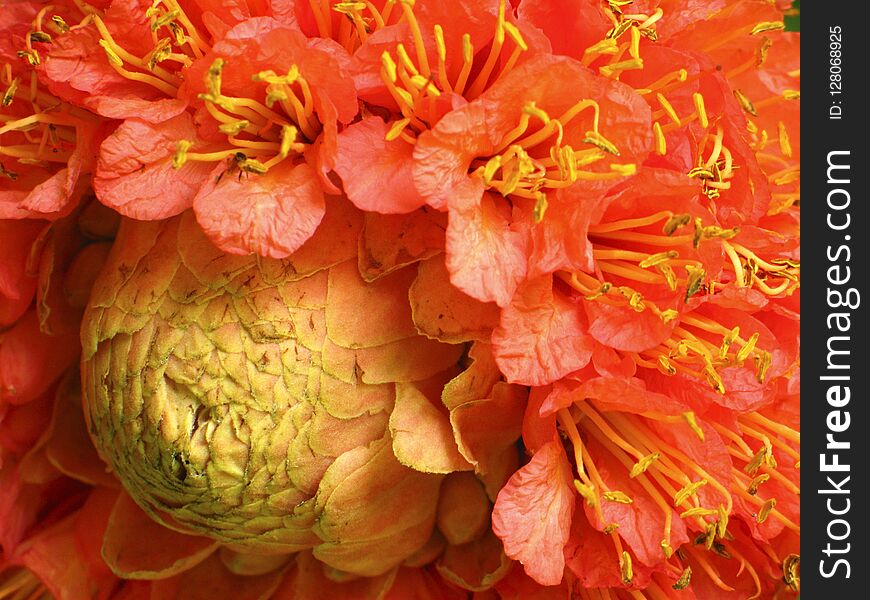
(594, 201)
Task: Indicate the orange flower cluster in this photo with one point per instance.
(490, 297)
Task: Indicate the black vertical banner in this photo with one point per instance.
(835, 253)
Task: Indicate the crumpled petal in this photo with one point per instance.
(135, 174)
(271, 215)
(542, 336)
(532, 514)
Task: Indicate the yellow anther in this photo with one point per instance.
(405, 59)
(669, 275)
(164, 19)
(666, 549)
(752, 488)
(668, 315)
(213, 77)
(767, 26)
(705, 175)
(727, 341)
(695, 280)
(250, 165)
(111, 54)
(626, 169)
(700, 109)
(616, 32)
(625, 568)
(405, 96)
(275, 93)
(610, 528)
(440, 45)
(423, 84)
(467, 48)
(790, 571)
(791, 94)
(762, 363)
(587, 492)
(619, 67)
(532, 110)
(289, 134)
(605, 46)
(658, 258)
(491, 167)
(634, 48)
(714, 231)
(180, 156)
(763, 513)
(348, 8)
(747, 348)
(714, 379)
(698, 511)
(161, 52)
(636, 302)
(709, 535)
(234, 128)
(761, 56)
(688, 491)
(540, 206)
(618, 497)
(643, 464)
(661, 142)
(40, 36)
(759, 459)
(745, 103)
(675, 222)
(515, 35)
(684, 580)
(31, 56)
(60, 23)
(396, 129)
(689, 416)
(10, 92)
(389, 66)
(784, 142)
(722, 522)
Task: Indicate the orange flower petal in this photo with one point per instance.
(159, 552)
(271, 215)
(542, 336)
(443, 312)
(422, 436)
(532, 514)
(377, 174)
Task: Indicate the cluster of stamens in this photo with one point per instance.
(259, 135)
(43, 130)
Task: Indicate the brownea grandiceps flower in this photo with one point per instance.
(250, 400)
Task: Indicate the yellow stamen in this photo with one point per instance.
(661, 143)
(767, 26)
(688, 491)
(618, 497)
(669, 109)
(643, 464)
(768, 506)
(745, 103)
(684, 579)
(784, 143)
(700, 109)
(693, 424)
(625, 568)
(180, 156)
